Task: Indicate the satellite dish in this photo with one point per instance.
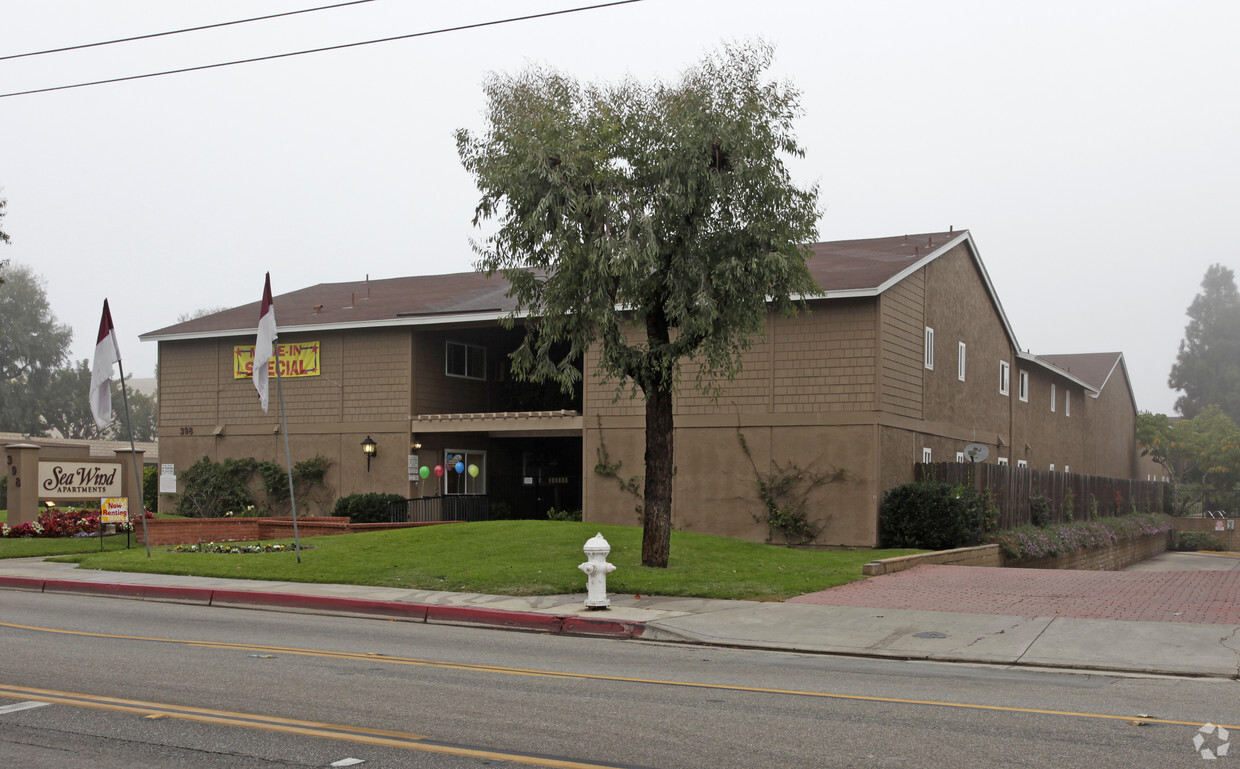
(976, 452)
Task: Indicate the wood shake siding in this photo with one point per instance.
(902, 313)
(825, 359)
(188, 392)
(439, 393)
(376, 375)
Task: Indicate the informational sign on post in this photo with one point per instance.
(167, 480)
(413, 467)
(114, 510)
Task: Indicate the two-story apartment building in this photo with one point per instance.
(907, 356)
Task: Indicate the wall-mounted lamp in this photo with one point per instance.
(370, 449)
(414, 445)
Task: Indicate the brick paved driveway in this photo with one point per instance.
(1211, 597)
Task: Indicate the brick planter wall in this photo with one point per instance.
(192, 531)
(1109, 558)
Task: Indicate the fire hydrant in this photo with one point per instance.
(597, 568)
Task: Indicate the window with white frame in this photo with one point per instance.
(1067, 469)
(1052, 467)
(1067, 403)
(1023, 386)
(960, 362)
(929, 348)
(926, 455)
(959, 456)
(1005, 376)
(464, 471)
(468, 361)
(1052, 397)
(1021, 463)
(1003, 461)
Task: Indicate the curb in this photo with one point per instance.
(566, 624)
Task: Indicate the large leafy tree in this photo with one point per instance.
(1207, 369)
(1200, 454)
(656, 224)
(32, 346)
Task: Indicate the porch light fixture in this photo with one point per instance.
(370, 449)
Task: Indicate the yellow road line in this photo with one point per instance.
(620, 679)
(283, 725)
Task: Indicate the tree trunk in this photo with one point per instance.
(657, 504)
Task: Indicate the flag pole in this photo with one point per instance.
(133, 451)
(287, 456)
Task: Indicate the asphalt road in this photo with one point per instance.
(138, 684)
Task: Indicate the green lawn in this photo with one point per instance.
(505, 558)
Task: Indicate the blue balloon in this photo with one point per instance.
(460, 467)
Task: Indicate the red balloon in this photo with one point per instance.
(438, 471)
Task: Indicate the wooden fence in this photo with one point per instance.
(1073, 496)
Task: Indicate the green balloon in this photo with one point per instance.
(424, 472)
(473, 471)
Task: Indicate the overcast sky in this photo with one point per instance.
(1090, 147)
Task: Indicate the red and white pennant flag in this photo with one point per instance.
(265, 343)
(107, 354)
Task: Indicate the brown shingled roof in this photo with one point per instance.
(840, 266)
(1092, 368)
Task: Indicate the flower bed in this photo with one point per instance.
(1029, 542)
(73, 522)
(211, 547)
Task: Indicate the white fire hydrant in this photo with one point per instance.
(597, 568)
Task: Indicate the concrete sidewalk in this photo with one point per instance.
(815, 623)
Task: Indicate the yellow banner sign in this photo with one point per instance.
(296, 359)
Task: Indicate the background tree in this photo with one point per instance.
(143, 414)
(1200, 455)
(32, 346)
(199, 313)
(65, 407)
(653, 223)
(4, 238)
(1207, 369)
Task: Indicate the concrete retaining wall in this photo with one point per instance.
(982, 555)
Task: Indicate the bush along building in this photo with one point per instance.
(906, 357)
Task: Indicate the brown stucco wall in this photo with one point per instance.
(1112, 419)
(960, 310)
(714, 489)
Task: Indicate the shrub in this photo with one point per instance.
(563, 515)
(1062, 539)
(371, 507)
(214, 488)
(1198, 540)
(1040, 509)
(935, 516)
(150, 486)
